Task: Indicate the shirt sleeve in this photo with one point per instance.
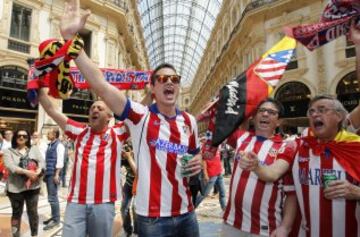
(60, 151)
(121, 131)
(289, 187)
(133, 112)
(9, 161)
(73, 128)
(287, 151)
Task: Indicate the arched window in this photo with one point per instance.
(295, 97)
(348, 91)
(13, 77)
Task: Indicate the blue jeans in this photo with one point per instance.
(52, 190)
(125, 209)
(184, 225)
(91, 220)
(217, 181)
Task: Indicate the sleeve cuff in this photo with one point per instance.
(125, 113)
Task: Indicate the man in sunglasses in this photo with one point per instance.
(161, 136)
(256, 208)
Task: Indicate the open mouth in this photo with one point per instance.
(169, 91)
(94, 116)
(318, 124)
(264, 122)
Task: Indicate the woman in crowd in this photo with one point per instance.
(25, 165)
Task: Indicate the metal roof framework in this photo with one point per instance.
(177, 31)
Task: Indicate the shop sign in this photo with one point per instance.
(349, 101)
(16, 99)
(296, 108)
(75, 106)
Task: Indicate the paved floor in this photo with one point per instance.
(209, 215)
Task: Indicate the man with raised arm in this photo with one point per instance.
(95, 181)
(161, 136)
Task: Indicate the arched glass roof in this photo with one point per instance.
(177, 31)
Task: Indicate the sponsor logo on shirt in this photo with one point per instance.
(273, 152)
(314, 176)
(167, 146)
(186, 130)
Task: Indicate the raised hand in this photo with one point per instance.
(72, 21)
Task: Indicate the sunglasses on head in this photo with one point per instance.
(165, 78)
(23, 136)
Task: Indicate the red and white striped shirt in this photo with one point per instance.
(96, 175)
(255, 206)
(161, 189)
(321, 216)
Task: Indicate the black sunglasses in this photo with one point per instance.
(23, 136)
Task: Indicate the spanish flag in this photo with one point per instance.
(239, 98)
(345, 148)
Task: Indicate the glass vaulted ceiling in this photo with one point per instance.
(176, 32)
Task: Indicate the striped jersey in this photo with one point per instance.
(96, 175)
(159, 142)
(321, 216)
(255, 206)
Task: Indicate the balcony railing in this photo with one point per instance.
(18, 46)
(120, 3)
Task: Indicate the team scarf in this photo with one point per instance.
(345, 148)
(335, 22)
(52, 69)
(64, 80)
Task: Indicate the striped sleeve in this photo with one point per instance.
(73, 128)
(132, 112)
(121, 131)
(287, 151)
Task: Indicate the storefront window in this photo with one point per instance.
(13, 77)
(295, 97)
(348, 91)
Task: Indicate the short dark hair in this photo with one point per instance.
(277, 104)
(13, 140)
(56, 131)
(158, 68)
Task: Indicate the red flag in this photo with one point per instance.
(240, 97)
(345, 148)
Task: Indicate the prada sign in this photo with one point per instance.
(349, 101)
(16, 99)
(76, 106)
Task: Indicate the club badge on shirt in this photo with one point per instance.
(186, 130)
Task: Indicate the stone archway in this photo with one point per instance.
(348, 91)
(295, 97)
